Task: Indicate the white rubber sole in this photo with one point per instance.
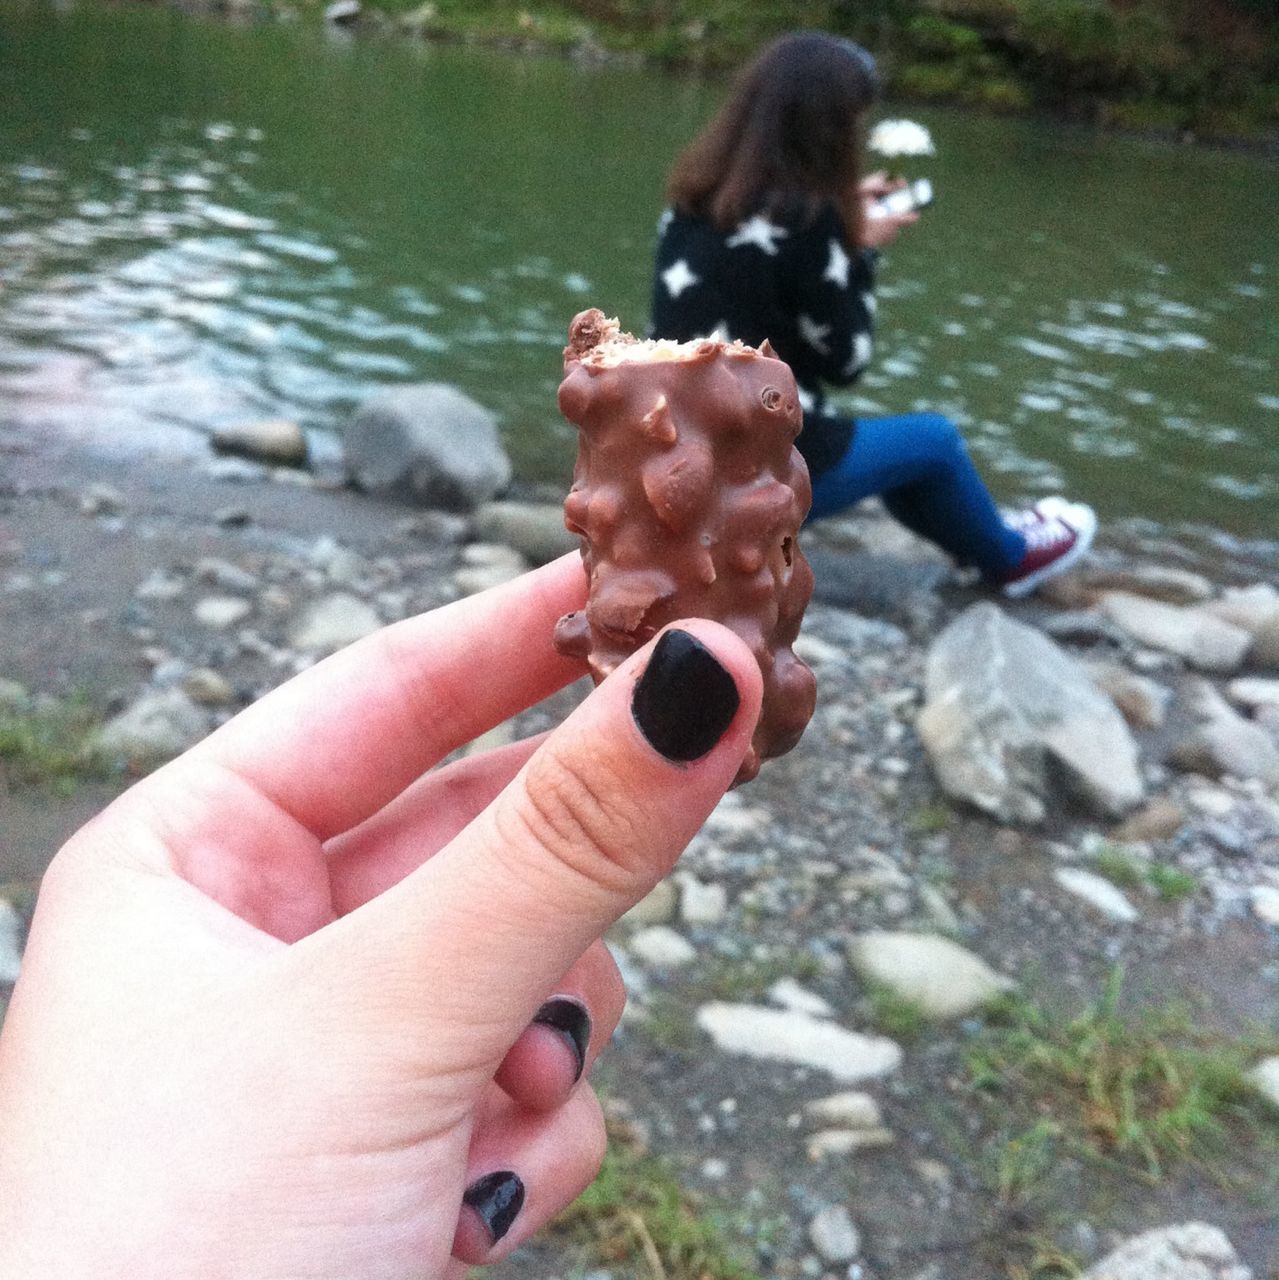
(1083, 520)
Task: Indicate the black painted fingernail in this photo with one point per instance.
(685, 700)
(573, 1023)
(497, 1198)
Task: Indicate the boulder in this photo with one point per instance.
(1188, 1251)
(1008, 715)
(430, 443)
(1200, 638)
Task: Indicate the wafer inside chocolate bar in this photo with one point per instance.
(688, 494)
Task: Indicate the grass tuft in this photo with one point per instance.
(897, 1015)
(49, 744)
(637, 1208)
(1143, 1090)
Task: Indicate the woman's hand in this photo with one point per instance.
(877, 230)
(291, 998)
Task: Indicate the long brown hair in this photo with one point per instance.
(789, 134)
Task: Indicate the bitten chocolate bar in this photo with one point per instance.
(688, 495)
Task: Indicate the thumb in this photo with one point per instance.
(459, 955)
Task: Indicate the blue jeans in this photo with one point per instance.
(919, 465)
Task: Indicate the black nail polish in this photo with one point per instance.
(497, 1198)
(573, 1023)
(684, 700)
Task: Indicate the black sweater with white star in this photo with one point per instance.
(795, 281)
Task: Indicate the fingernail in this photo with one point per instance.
(685, 700)
(573, 1023)
(497, 1198)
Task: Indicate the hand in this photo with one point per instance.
(274, 1016)
(879, 231)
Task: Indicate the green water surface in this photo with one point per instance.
(202, 223)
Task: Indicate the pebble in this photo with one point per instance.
(221, 613)
(1265, 904)
(828, 1143)
(660, 947)
(784, 1036)
(789, 994)
(225, 575)
(834, 1235)
(208, 688)
(701, 903)
(1098, 892)
(331, 623)
(656, 907)
(101, 500)
(1264, 1077)
(10, 942)
(944, 979)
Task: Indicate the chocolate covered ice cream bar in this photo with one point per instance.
(688, 494)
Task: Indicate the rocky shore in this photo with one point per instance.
(1008, 828)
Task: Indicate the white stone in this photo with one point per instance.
(788, 993)
(833, 1234)
(158, 585)
(536, 530)
(828, 1143)
(1188, 1251)
(851, 1108)
(777, 1036)
(1098, 892)
(10, 942)
(1254, 692)
(657, 907)
(1265, 903)
(473, 579)
(939, 975)
(275, 441)
(207, 687)
(161, 724)
(225, 575)
(660, 947)
(335, 621)
(220, 613)
(701, 903)
(1264, 1077)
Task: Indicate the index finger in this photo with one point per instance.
(335, 744)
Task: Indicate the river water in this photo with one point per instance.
(201, 224)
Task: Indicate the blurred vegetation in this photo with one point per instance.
(1195, 66)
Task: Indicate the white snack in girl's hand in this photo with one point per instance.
(900, 138)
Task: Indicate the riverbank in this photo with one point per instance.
(950, 1134)
(1146, 67)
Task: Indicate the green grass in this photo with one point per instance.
(636, 1209)
(48, 744)
(668, 1023)
(896, 1015)
(929, 819)
(1138, 1090)
(750, 978)
(1123, 869)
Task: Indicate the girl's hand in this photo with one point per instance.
(292, 997)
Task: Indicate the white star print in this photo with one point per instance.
(814, 334)
(868, 301)
(807, 401)
(759, 232)
(861, 355)
(837, 268)
(668, 216)
(677, 277)
(720, 332)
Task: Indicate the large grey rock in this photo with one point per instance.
(944, 979)
(161, 724)
(1008, 715)
(535, 529)
(1201, 639)
(784, 1036)
(428, 442)
(1188, 1251)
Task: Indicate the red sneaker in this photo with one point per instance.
(1057, 534)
